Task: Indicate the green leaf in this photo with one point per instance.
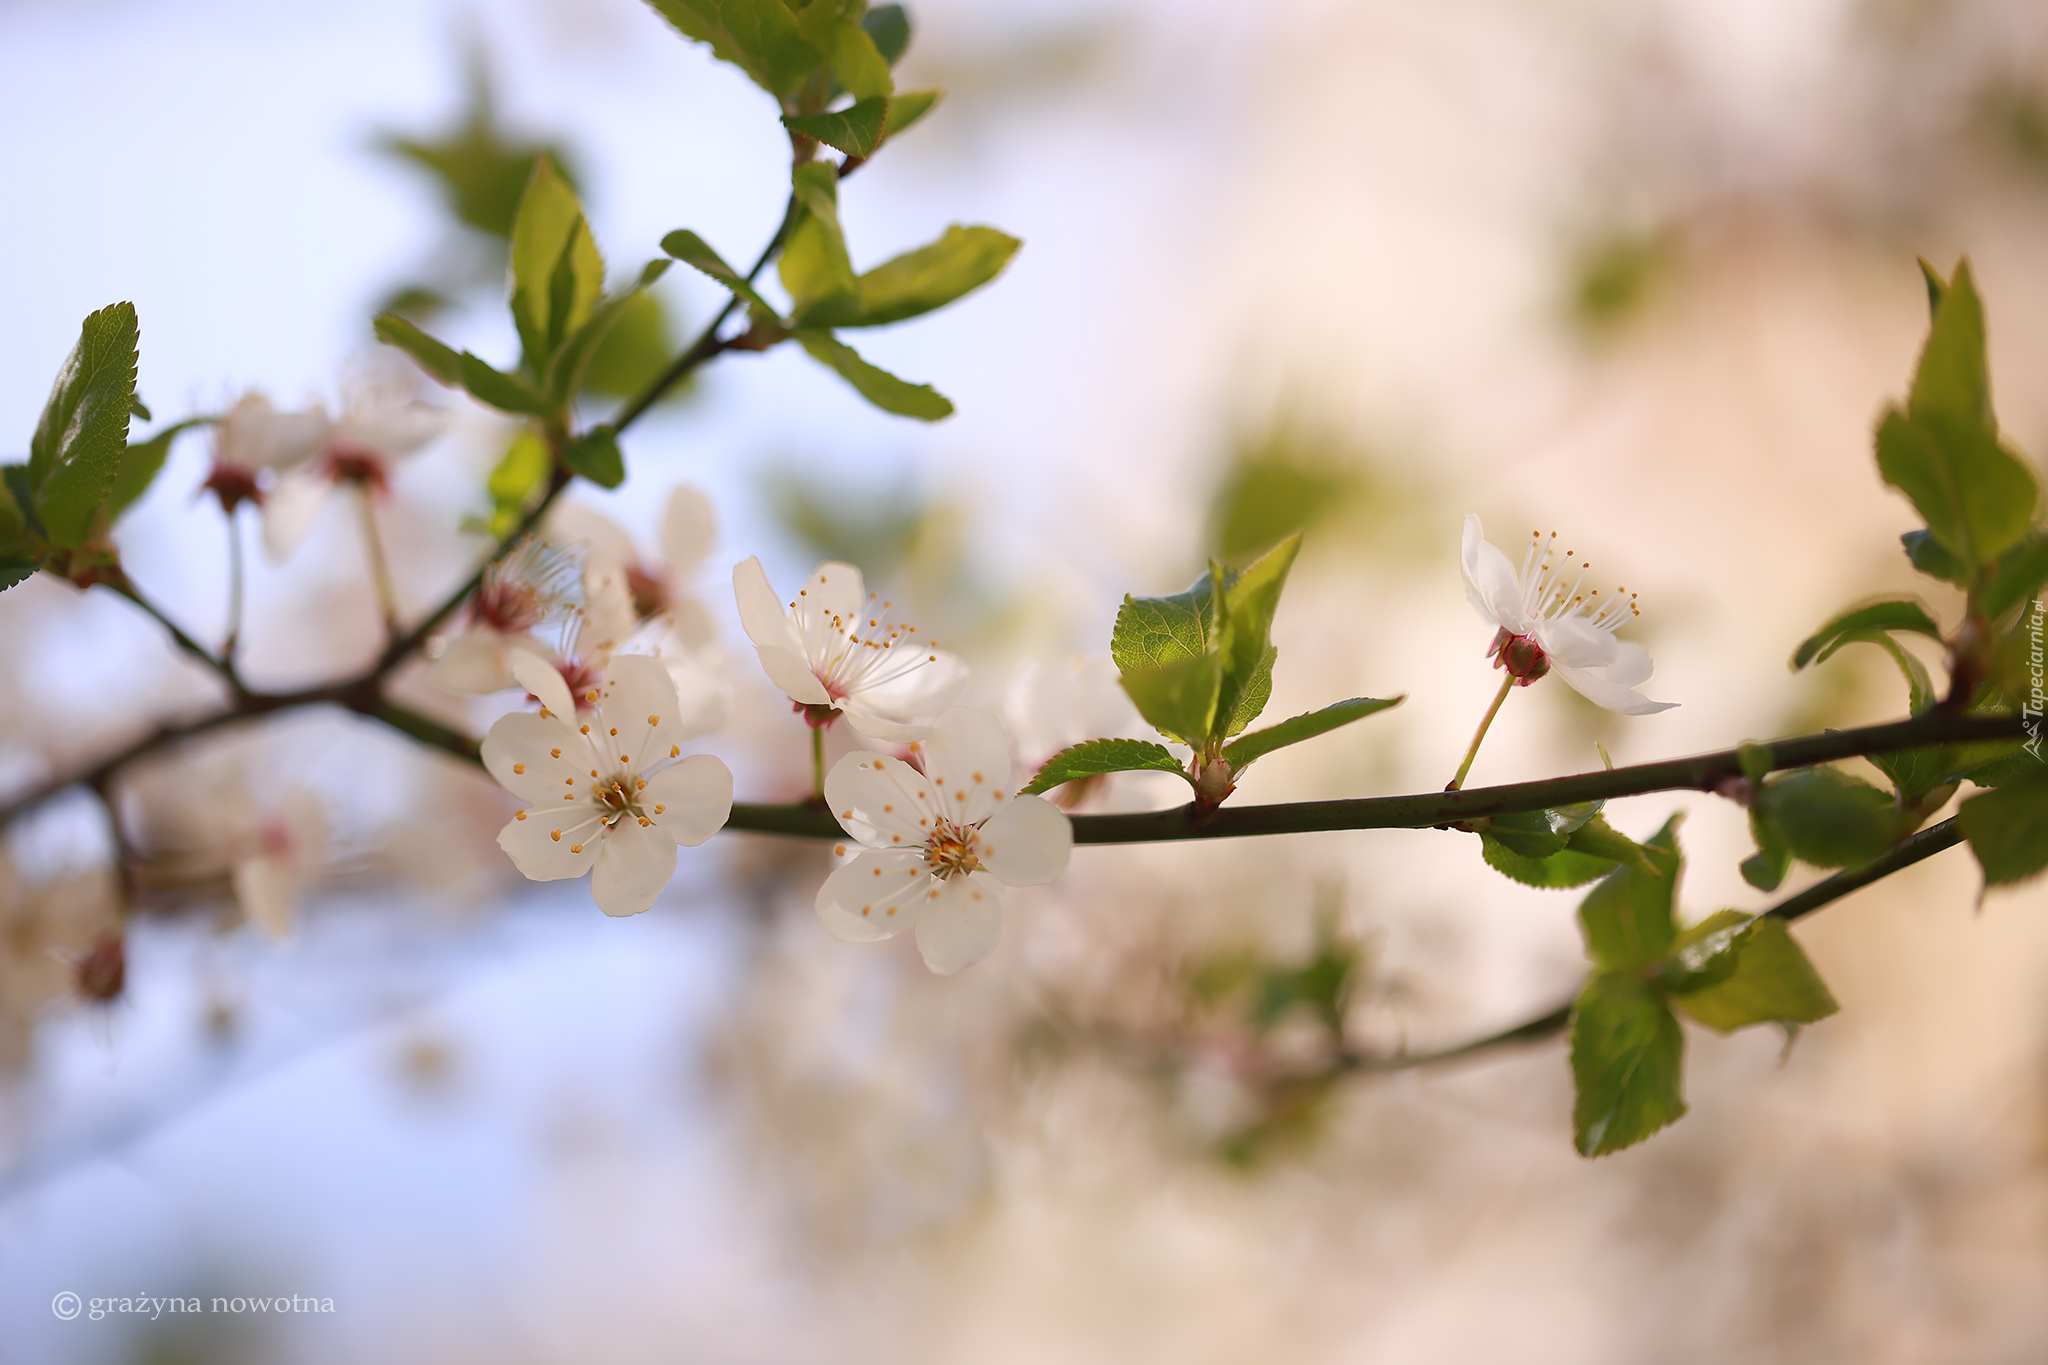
(517, 480)
(691, 250)
(1244, 633)
(2018, 574)
(138, 409)
(1828, 818)
(1706, 953)
(907, 108)
(1597, 838)
(83, 432)
(1904, 614)
(140, 464)
(1558, 871)
(1178, 698)
(962, 260)
(1540, 833)
(1628, 1059)
(565, 372)
(557, 274)
(1094, 757)
(1158, 630)
(857, 64)
(1770, 981)
(1930, 557)
(1978, 498)
(595, 455)
(856, 130)
(878, 386)
(438, 359)
(814, 267)
(507, 393)
(21, 548)
(759, 37)
(889, 27)
(1241, 752)
(2008, 828)
(636, 350)
(1627, 918)
(1953, 380)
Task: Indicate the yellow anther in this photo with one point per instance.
(654, 720)
(518, 767)
(674, 749)
(554, 753)
(575, 848)
(659, 809)
(615, 729)
(556, 835)
(518, 815)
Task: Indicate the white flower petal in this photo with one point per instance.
(571, 522)
(688, 529)
(1596, 686)
(703, 692)
(967, 757)
(267, 892)
(882, 802)
(875, 896)
(638, 700)
(880, 727)
(788, 671)
(544, 681)
(635, 862)
(763, 615)
(691, 625)
(393, 430)
(923, 692)
(1490, 581)
(695, 797)
(290, 511)
(475, 663)
(1027, 842)
(254, 435)
(833, 590)
(539, 759)
(547, 846)
(960, 923)
(1575, 642)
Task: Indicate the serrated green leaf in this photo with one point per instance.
(595, 455)
(506, 392)
(889, 27)
(1628, 1059)
(83, 431)
(1977, 498)
(565, 372)
(140, 464)
(1627, 919)
(1953, 380)
(1828, 818)
(1706, 953)
(856, 130)
(693, 251)
(1247, 748)
(2011, 762)
(517, 480)
(21, 548)
(1558, 871)
(557, 274)
(1540, 833)
(638, 347)
(1258, 690)
(1767, 867)
(961, 261)
(2016, 577)
(1094, 757)
(878, 386)
(1932, 558)
(760, 37)
(857, 64)
(2008, 828)
(437, 358)
(1245, 628)
(1905, 614)
(1771, 981)
(1601, 840)
(1178, 698)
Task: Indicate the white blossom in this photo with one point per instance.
(253, 441)
(533, 588)
(941, 841)
(1546, 623)
(47, 931)
(379, 425)
(607, 787)
(837, 649)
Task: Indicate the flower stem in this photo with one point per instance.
(1480, 733)
(227, 648)
(818, 761)
(380, 571)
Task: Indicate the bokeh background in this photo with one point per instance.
(1639, 272)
